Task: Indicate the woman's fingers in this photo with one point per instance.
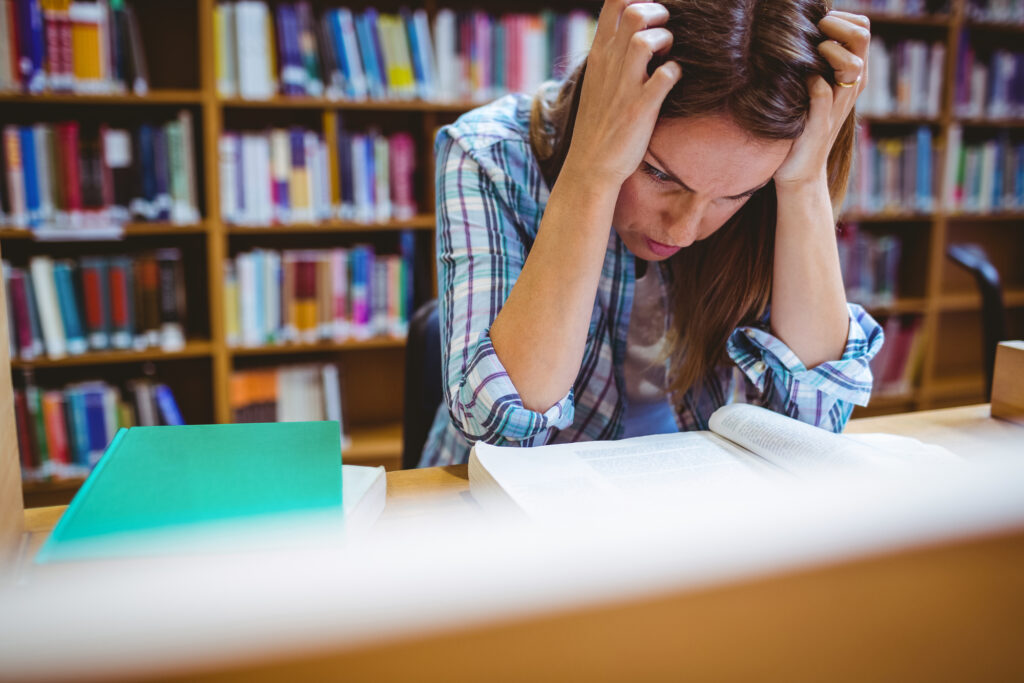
(608, 20)
(660, 82)
(642, 46)
(635, 18)
(848, 66)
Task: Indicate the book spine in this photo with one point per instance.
(169, 412)
(42, 270)
(171, 292)
(69, 313)
(56, 431)
(122, 295)
(33, 397)
(26, 435)
(96, 423)
(28, 346)
(97, 302)
(15, 177)
(31, 176)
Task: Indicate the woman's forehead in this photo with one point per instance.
(713, 155)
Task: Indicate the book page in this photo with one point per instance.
(799, 447)
(606, 474)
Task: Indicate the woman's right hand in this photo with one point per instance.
(619, 102)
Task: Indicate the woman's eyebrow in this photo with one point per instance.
(674, 178)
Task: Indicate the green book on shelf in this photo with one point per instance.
(160, 490)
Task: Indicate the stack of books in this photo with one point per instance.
(280, 176)
(906, 78)
(376, 176)
(985, 175)
(368, 54)
(63, 432)
(64, 46)
(892, 175)
(870, 266)
(68, 307)
(989, 83)
(308, 296)
(289, 393)
(69, 177)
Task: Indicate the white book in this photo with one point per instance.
(988, 173)
(362, 209)
(43, 172)
(281, 169)
(8, 82)
(358, 87)
(18, 217)
(265, 202)
(936, 69)
(425, 45)
(309, 148)
(979, 78)
(446, 57)
(252, 23)
(224, 22)
(382, 178)
(271, 303)
(746, 448)
(190, 207)
(227, 149)
(342, 303)
(45, 288)
(249, 320)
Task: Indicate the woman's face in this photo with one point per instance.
(696, 174)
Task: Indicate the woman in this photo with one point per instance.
(655, 236)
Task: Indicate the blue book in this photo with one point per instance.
(162, 169)
(69, 313)
(338, 45)
(374, 77)
(31, 45)
(169, 413)
(33, 316)
(924, 169)
(373, 25)
(96, 421)
(345, 171)
(418, 69)
(78, 431)
(1018, 185)
(997, 179)
(293, 76)
(30, 171)
(147, 169)
(260, 295)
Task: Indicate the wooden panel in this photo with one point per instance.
(11, 508)
(1008, 382)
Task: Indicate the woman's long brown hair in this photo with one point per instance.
(749, 60)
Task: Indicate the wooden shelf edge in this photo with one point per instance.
(888, 217)
(424, 221)
(193, 349)
(160, 96)
(130, 230)
(1012, 298)
(351, 345)
(299, 102)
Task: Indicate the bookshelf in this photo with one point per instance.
(943, 299)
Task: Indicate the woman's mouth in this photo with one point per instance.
(661, 250)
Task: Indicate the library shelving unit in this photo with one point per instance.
(179, 41)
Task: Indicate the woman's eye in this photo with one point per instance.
(655, 173)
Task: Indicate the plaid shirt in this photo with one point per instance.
(490, 199)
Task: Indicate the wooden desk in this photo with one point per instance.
(945, 613)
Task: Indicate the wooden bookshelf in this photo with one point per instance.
(185, 78)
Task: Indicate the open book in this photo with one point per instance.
(746, 446)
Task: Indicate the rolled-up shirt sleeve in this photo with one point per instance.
(481, 251)
(824, 395)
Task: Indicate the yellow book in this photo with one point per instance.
(86, 46)
(219, 42)
(271, 50)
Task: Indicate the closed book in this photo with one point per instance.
(162, 170)
(27, 346)
(78, 425)
(31, 175)
(87, 47)
(122, 307)
(171, 274)
(8, 77)
(163, 489)
(31, 41)
(147, 301)
(26, 435)
(15, 177)
(56, 431)
(314, 81)
(74, 332)
(34, 400)
(48, 305)
(170, 414)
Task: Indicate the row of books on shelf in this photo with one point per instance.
(870, 265)
(95, 303)
(897, 366)
(64, 46)
(62, 433)
(1006, 11)
(288, 393)
(910, 8)
(368, 54)
(989, 83)
(308, 296)
(984, 175)
(906, 78)
(892, 174)
(72, 176)
(283, 176)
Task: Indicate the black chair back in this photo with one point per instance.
(422, 382)
(973, 258)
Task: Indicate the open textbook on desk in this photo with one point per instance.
(746, 446)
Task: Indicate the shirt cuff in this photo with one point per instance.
(491, 410)
(759, 353)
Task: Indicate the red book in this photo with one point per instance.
(119, 300)
(67, 68)
(93, 302)
(12, 23)
(68, 136)
(22, 321)
(56, 427)
(26, 440)
(106, 173)
(51, 24)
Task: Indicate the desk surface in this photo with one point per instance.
(967, 431)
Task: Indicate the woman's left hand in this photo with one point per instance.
(847, 52)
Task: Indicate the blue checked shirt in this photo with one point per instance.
(490, 199)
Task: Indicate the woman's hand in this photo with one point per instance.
(846, 51)
(619, 102)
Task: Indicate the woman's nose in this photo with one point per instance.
(684, 221)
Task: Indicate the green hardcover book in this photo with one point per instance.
(160, 490)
